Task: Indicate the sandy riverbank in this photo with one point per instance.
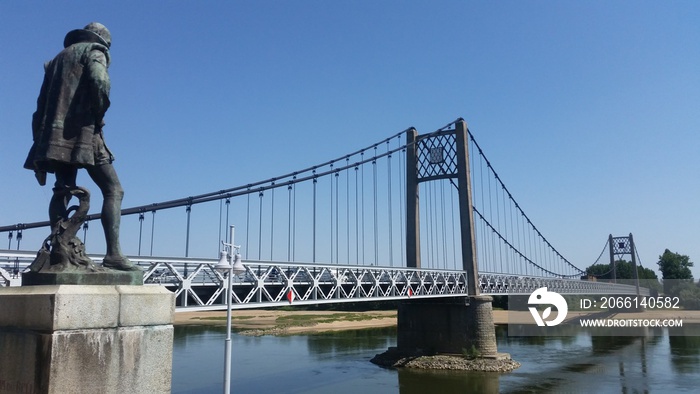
(261, 321)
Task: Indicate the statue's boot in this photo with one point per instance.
(120, 263)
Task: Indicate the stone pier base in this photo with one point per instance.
(447, 326)
(86, 339)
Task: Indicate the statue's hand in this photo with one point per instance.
(40, 177)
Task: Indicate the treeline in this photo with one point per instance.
(676, 277)
(625, 272)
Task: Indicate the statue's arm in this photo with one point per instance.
(38, 116)
(100, 84)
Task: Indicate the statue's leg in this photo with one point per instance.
(105, 177)
(65, 178)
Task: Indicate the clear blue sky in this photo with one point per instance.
(589, 111)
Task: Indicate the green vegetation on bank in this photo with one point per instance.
(625, 272)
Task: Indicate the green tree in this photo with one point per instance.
(674, 267)
(600, 271)
(625, 271)
(688, 293)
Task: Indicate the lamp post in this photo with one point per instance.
(233, 266)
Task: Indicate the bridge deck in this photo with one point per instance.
(270, 284)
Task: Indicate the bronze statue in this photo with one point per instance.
(67, 130)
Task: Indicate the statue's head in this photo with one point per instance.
(93, 32)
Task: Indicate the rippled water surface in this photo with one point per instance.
(339, 363)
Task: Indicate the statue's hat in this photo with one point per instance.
(93, 32)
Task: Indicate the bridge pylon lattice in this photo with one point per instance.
(443, 154)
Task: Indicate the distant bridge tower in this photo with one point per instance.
(620, 246)
(444, 325)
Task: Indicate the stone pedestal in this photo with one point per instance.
(447, 326)
(86, 339)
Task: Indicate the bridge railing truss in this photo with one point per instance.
(198, 286)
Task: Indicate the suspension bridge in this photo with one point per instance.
(411, 216)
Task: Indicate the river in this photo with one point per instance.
(339, 363)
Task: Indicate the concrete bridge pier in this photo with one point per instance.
(460, 325)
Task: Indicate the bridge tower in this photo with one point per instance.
(444, 325)
(620, 246)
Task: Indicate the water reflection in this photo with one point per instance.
(685, 352)
(184, 333)
(338, 362)
(420, 382)
(604, 345)
(329, 344)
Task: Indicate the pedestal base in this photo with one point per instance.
(86, 339)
